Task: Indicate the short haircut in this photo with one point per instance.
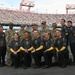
(36, 31)
(63, 20)
(58, 30)
(69, 21)
(16, 33)
(27, 32)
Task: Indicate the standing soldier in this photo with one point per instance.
(64, 31)
(2, 47)
(53, 34)
(21, 32)
(53, 31)
(34, 27)
(9, 38)
(71, 38)
(44, 29)
(64, 28)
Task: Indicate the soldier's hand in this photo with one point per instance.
(45, 51)
(66, 34)
(15, 53)
(33, 51)
(26, 50)
(58, 51)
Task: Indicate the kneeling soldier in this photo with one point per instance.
(15, 49)
(49, 47)
(26, 47)
(60, 45)
(37, 53)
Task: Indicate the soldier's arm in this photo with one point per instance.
(74, 31)
(11, 47)
(63, 48)
(21, 48)
(66, 30)
(57, 49)
(49, 49)
(30, 49)
(22, 45)
(12, 50)
(52, 46)
(41, 47)
(64, 44)
(18, 50)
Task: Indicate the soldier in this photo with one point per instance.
(26, 48)
(53, 35)
(53, 31)
(64, 28)
(9, 38)
(21, 32)
(60, 45)
(64, 31)
(38, 49)
(49, 47)
(2, 47)
(34, 27)
(44, 29)
(15, 50)
(71, 38)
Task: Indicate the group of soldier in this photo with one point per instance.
(20, 47)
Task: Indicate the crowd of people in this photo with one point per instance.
(19, 48)
(19, 17)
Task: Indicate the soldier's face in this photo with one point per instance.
(34, 27)
(43, 26)
(35, 34)
(69, 24)
(1, 29)
(11, 27)
(26, 35)
(22, 28)
(62, 22)
(46, 35)
(58, 33)
(16, 36)
(54, 27)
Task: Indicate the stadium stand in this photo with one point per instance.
(19, 17)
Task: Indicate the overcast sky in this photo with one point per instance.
(41, 6)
